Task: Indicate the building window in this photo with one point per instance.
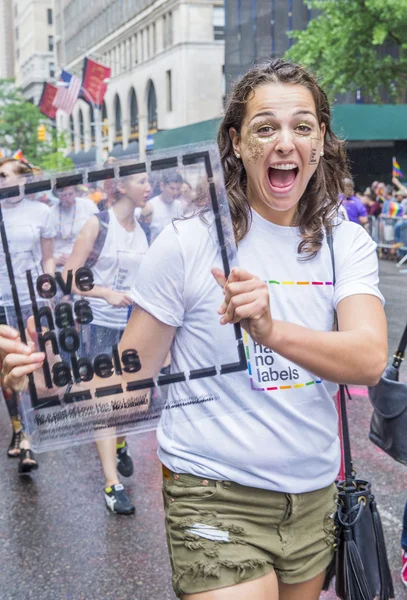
(218, 21)
(118, 116)
(81, 129)
(142, 36)
(18, 54)
(51, 43)
(133, 115)
(49, 16)
(154, 39)
(152, 108)
(72, 132)
(134, 53)
(52, 69)
(148, 53)
(16, 33)
(165, 39)
(170, 32)
(169, 90)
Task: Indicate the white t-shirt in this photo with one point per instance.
(69, 222)
(26, 222)
(163, 214)
(275, 425)
(117, 268)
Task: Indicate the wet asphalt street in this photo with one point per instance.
(59, 542)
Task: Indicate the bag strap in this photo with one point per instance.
(104, 219)
(399, 354)
(347, 456)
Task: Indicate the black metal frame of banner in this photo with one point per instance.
(89, 176)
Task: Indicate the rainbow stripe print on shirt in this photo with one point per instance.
(289, 373)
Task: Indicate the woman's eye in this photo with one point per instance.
(303, 128)
(266, 130)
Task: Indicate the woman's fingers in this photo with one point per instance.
(16, 378)
(10, 342)
(236, 309)
(219, 276)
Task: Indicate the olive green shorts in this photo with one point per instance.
(220, 533)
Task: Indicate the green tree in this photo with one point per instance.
(19, 121)
(353, 44)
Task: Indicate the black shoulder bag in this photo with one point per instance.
(389, 399)
(360, 563)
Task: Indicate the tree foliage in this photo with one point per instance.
(356, 44)
(19, 121)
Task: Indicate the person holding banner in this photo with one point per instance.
(31, 233)
(250, 457)
(113, 245)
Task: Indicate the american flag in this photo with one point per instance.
(67, 93)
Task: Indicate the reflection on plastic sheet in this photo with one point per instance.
(95, 227)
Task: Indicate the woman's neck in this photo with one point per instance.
(124, 211)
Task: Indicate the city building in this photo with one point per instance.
(6, 40)
(33, 45)
(166, 59)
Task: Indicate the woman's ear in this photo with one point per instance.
(235, 139)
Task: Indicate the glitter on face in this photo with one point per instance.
(256, 145)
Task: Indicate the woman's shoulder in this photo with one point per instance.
(346, 232)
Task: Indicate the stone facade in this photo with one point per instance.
(34, 45)
(166, 60)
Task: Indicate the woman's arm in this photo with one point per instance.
(151, 338)
(399, 185)
(47, 255)
(80, 253)
(356, 354)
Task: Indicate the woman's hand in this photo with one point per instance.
(18, 359)
(246, 301)
(117, 299)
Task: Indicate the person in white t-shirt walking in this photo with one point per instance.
(165, 207)
(250, 458)
(30, 233)
(70, 216)
(114, 268)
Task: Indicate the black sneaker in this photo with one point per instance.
(124, 461)
(118, 501)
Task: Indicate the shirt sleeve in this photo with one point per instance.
(159, 288)
(362, 212)
(357, 270)
(48, 223)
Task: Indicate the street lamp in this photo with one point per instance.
(97, 116)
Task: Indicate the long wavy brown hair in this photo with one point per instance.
(319, 202)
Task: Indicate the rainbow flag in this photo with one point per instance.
(397, 172)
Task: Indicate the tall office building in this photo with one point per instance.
(259, 28)
(6, 40)
(34, 45)
(166, 58)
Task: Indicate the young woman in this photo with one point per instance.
(249, 476)
(114, 270)
(30, 233)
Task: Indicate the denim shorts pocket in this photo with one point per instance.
(189, 487)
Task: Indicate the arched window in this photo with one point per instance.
(118, 117)
(81, 128)
(133, 115)
(152, 108)
(105, 122)
(92, 125)
(72, 132)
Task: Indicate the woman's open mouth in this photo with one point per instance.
(282, 177)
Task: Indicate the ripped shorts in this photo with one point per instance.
(220, 533)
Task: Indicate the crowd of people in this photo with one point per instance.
(63, 230)
(377, 200)
(249, 478)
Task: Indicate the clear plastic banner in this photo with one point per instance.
(72, 247)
